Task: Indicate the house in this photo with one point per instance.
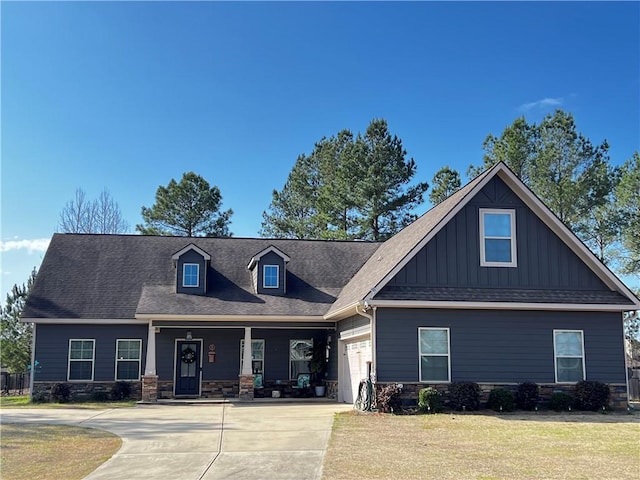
(488, 286)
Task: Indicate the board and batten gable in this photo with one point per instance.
(452, 257)
(52, 348)
(498, 346)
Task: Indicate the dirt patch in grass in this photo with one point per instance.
(452, 446)
(36, 451)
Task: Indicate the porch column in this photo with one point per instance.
(246, 375)
(150, 377)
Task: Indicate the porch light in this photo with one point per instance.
(189, 336)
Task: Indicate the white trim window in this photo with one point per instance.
(257, 355)
(190, 275)
(81, 359)
(435, 361)
(271, 276)
(300, 355)
(128, 355)
(568, 354)
(498, 238)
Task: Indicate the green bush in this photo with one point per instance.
(501, 400)
(121, 390)
(464, 396)
(388, 398)
(591, 395)
(60, 393)
(99, 396)
(40, 397)
(429, 400)
(561, 401)
(527, 395)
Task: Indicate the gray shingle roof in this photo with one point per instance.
(117, 276)
(513, 295)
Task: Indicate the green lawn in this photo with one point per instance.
(484, 446)
(23, 402)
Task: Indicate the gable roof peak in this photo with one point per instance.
(256, 258)
(189, 247)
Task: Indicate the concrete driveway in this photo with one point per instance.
(212, 441)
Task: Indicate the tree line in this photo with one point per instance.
(361, 186)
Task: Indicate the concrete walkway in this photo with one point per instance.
(205, 442)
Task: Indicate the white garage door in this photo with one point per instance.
(357, 354)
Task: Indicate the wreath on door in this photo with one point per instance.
(188, 355)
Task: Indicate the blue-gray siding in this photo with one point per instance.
(498, 345)
(452, 257)
(191, 256)
(271, 258)
(52, 347)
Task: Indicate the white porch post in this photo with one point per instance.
(247, 364)
(150, 377)
(150, 364)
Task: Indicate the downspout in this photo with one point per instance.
(33, 360)
(362, 309)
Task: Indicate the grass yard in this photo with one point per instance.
(484, 446)
(36, 451)
(23, 402)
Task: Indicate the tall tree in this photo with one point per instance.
(15, 336)
(628, 200)
(190, 208)
(347, 188)
(102, 215)
(444, 183)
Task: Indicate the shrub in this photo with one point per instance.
(388, 398)
(591, 395)
(501, 400)
(527, 395)
(560, 401)
(121, 391)
(99, 396)
(464, 396)
(60, 393)
(429, 400)
(40, 397)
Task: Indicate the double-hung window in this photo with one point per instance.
(568, 347)
(497, 238)
(435, 364)
(81, 359)
(270, 276)
(128, 354)
(191, 275)
(300, 354)
(257, 355)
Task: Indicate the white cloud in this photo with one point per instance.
(35, 245)
(543, 103)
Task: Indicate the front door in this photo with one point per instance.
(188, 354)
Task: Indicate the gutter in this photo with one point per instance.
(362, 309)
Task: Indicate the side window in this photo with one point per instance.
(300, 353)
(435, 364)
(498, 238)
(81, 358)
(191, 275)
(257, 355)
(270, 276)
(128, 353)
(568, 347)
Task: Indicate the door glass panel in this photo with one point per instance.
(188, 356)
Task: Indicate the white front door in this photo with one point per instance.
(357, 353)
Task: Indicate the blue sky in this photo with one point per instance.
(126, 96)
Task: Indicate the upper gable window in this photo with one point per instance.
(191, 275)
(497, 238)
(270, 276)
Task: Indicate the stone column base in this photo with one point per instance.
(246, 388)
(149, 388)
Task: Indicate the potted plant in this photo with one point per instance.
(318, 366)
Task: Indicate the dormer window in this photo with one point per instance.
(497, 238)
(271, 276)
(191, 275)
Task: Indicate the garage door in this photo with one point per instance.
(357, 354)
